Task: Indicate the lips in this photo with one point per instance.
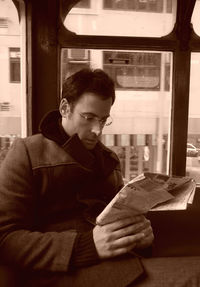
(89, 141)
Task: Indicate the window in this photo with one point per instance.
(195, 17)
(134, 70)
(144, 18)
(83, 4)
(14, 54)
(73, 60)
(139, 133)
(12, 75)
(137, 70)
(193, 146)
(3, 23)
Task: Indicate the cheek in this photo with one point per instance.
(82, 130)
(76, 124)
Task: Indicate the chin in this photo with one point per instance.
(89, 146)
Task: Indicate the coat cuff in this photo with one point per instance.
(84, 251)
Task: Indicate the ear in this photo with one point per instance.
(64, 108)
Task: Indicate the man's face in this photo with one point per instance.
(87, 118)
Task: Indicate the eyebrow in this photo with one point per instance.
(94, 115)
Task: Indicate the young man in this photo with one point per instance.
(52, 187)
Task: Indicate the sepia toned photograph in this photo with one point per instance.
(99, 143)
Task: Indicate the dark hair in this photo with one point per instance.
(88, 81)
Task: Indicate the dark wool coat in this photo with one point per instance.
(48, 194)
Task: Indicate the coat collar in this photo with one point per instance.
(100, 158)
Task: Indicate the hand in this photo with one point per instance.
(121, 236)
(148, 236)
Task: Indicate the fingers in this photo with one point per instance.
(135, 226)
(129, 230)
(108, 246)
(125, 222)
(147, 231)
(124, 245)
(122, 236)
(147, 239)
(127, 241)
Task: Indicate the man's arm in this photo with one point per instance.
(19, 243)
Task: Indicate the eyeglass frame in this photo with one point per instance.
(102, 122)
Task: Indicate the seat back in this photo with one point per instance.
(8, 277)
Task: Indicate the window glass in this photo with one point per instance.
(139, 133)
(83, 4)
(14, 58)
(135, 70)
(193, 145)
(195, 17)
(150, 18)
(138, 5)
(12, 75)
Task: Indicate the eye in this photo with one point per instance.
(89, 118)
(103, 121)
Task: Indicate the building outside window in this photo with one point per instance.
(12, 75)
(133, 70)
(14, 55)
(158, 6)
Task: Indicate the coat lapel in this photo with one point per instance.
(100, 159)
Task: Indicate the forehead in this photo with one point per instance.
(93, 103)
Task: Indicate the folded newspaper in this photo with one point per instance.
(149, 192)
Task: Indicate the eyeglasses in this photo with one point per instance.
(90, 119)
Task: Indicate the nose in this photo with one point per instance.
(97, 128)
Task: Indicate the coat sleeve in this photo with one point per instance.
(19, 243)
